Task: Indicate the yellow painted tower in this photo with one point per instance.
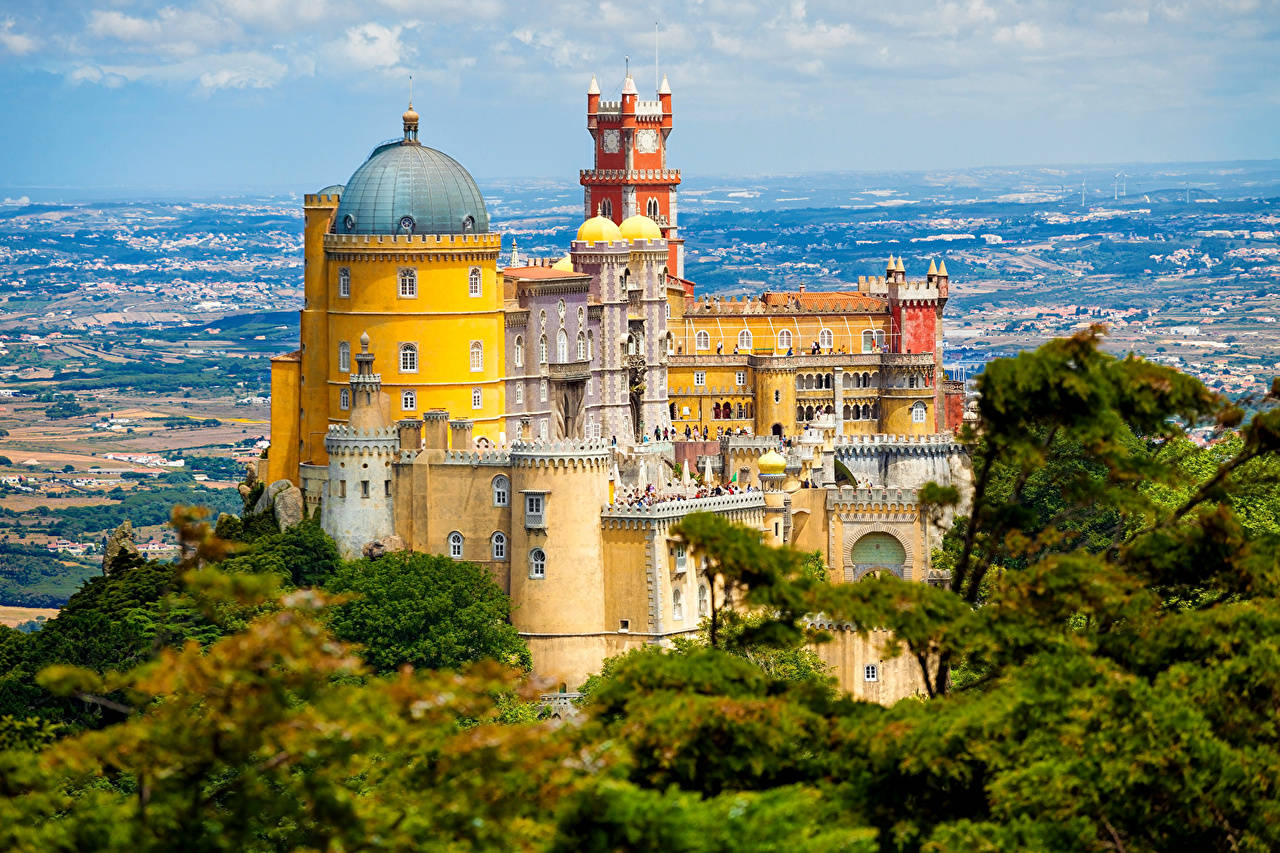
(402, 252)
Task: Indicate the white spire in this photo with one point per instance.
(665, 88)
(594, 88)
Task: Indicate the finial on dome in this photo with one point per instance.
(410, 117)
(594, 88)
(364, 342)
(665, 88)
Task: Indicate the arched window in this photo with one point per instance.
(409, 400)
(519, 351)
(866, 380)
(911, 381)
(870, 672)
(652, 209)
(408, 283)
(477, 357)
(501, 490)
(847, 412)
(866, 412)
(537, 563)
(591, 345)
(344, 399)
(799, 381)
(344, 357)
(703, 601)
(498, 545)
(520, 393)
(542, 391)
(582, 317)
(455, 545)
(631, 345)
(880, 339)
(826, 339)
(715, 411)
(784, 340)
(868, 341)
(582, 347)
(473, 282)
(606, 208)
(562, 346)
(542, 350)
(677, 605)
(808, 413)
(702, 340)
(799, 413)
(476, 398)
(408, 358)
(744, 340)
(344, 282)
(917, 413)
(666, 311)
(671, 344)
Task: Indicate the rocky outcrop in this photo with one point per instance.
(284, 500)
(121, 551)
(379, 547)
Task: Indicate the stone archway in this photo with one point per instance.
(873, 550)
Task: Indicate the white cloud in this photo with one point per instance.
(1023, 34)
(373, 46)
(16, 43)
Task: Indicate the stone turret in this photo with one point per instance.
(359, 506)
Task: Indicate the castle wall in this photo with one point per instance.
(286, 395)
(848, 654)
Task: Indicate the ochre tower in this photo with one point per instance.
(629, 137)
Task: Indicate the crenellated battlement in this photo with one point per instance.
(346, 440)
(476, 458)
(676, 509)
(867, 445)
(847, 498)
(591, 453)
(417, 241)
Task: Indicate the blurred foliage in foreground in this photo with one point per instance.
(1102, 674)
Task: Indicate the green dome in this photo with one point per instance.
(409, 188)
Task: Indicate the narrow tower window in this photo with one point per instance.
(519, 351)
(476, 398)
(455, 545)
(344, 357)
(562, 346)
(652, 209)
(501, 490)
(917, 413)
(344, 282)
(582, 347)
(537, 563)
(542, 350)
(477, 357)
(409, 400)
(408, 283)
(473, 287)
(344, 399)
(499, 545)
(408, 358)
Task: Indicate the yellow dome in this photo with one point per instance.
(598, 229)
(564, 264)
(772, 462)
(640, 227)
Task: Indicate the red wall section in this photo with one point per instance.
(919, 328)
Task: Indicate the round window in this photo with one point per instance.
(406, 223)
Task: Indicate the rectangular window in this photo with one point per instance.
(533, 514)
(473, 288)
(681, 559)
(344, 282)
(476, 398)
(520, 393)
(364, 488)
(699, 378)
(742, 377)
(624, 625)
(342, 488)
(386, 488)
(871, 673)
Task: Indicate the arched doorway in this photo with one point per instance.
(875, 553)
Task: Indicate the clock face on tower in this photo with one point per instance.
(610, 141)
(646, 141)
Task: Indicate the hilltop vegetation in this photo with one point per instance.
(1102, 675)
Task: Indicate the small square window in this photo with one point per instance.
(741, 377)
(871, 672)
(624, 625)
(699, 378)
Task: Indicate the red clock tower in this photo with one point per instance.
(631, 174)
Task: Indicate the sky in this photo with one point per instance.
(232, 96)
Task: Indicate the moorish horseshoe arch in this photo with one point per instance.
(854, 534)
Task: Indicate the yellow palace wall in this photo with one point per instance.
(723, 330)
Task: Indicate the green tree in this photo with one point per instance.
(424, 610)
